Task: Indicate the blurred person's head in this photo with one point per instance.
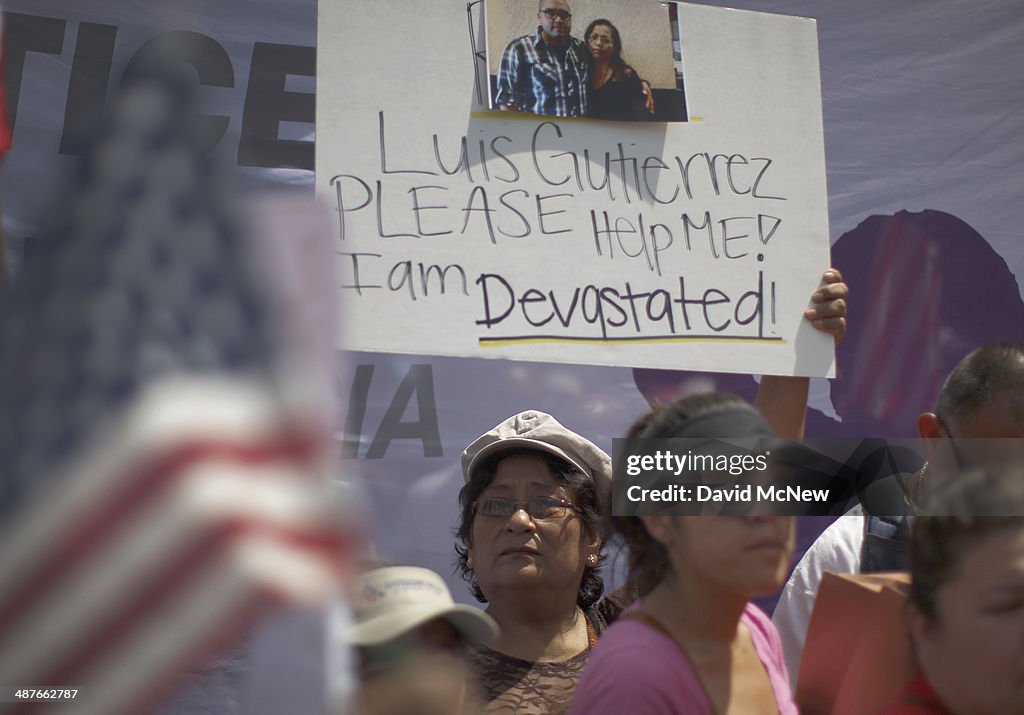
(410, 637)
(966, 609)
(530, 519)
(979, 416)
(744, 555)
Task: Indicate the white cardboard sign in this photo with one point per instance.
(469, 232)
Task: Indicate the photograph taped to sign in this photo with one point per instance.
(464, 231)
(597, 59)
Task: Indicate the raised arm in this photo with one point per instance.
(783, 400)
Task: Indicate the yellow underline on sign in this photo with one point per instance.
(503, 342)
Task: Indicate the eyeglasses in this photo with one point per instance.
(536, 507)
(551, 14)
(600, 39)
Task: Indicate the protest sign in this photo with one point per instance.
(465, 231)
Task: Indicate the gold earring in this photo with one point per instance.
(592, 559)
(469, 562)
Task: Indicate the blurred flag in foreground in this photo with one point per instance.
(161, 484)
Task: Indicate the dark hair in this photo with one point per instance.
(648, 559)
(541, 3)
(981, 378)
(963, 512)
(620, 69)
(584, 496)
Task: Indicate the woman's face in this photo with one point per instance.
(524, 552)
(601, 42)
(973, 652)
(748, 556)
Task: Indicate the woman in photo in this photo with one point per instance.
(616, 91)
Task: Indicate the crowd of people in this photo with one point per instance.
(683, 635)
(535, 525)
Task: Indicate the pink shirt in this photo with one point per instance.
(638, 670)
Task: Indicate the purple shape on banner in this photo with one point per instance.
(926, 289)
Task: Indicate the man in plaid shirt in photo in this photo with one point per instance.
(547, 72)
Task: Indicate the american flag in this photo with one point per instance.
(159, 489)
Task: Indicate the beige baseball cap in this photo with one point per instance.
(389, 602)
(540, 431)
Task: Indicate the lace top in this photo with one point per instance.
(512, 685)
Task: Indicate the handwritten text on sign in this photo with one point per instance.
(409, 202)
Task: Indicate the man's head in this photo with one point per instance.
(555, 20)
(979, 416)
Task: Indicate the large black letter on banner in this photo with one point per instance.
(356, 411)
(419, 381)
(267, 104)
(87, 90)
(24, 34)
